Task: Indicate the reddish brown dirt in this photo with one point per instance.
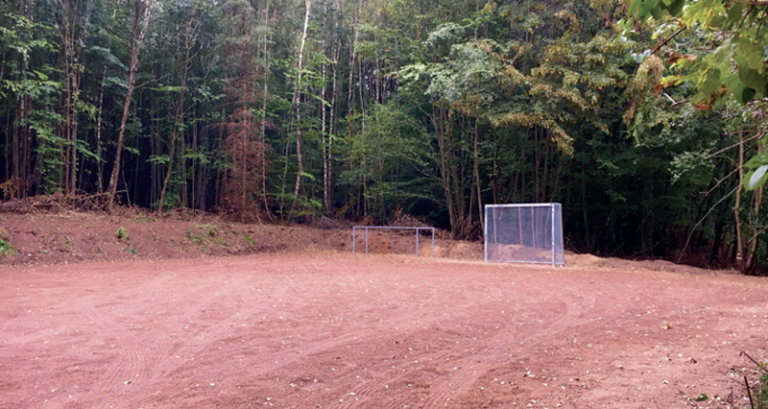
(67, 237)
(339, 330)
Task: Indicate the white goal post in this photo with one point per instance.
(524, 233)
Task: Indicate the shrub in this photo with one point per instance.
(6, 248)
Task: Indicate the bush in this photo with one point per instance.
(6, 248)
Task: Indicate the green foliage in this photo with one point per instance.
(195, 238)
(6, 248)
(390, 159)
(205, 235)
(714, 70)
(122, 234)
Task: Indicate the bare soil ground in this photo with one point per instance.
(301, 322)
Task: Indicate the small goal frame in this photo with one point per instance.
(519, 241)
(417, 229)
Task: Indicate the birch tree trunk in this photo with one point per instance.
(297, 101)
(264, 113)
(100, 166)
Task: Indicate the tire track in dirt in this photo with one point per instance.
(294, 313)
(444, 380)
(492, 358)
(166, 364)
(130, 366)
(326, 350)
(127, 348)
(247, 295)
(424, 329)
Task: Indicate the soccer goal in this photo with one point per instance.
(524, 233)
(417, 230)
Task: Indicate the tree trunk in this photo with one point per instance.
(297, 101)
(437, 117)
(323, 141)
(100, 165)
(751, 256)
(264, 114)
(477, 174)
(737, 207)
(332, 129)
(137, 38)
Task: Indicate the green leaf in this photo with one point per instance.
(757, 161)
(675, 7)
(711, 83)
(734, 15)
(748, 94)
(737, 88)
(751, 78)
(756, 177)
(159, 159)
(658, 11)
(307, 175)
(634, 6)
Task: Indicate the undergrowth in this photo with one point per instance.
(6, 248)
(758, 393)
(204, 234)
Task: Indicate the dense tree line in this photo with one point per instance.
(645, 129)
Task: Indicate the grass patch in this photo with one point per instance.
(195, 237)
(205, 235)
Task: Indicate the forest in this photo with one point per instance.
(644, 118)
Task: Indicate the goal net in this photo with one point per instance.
(524, 233)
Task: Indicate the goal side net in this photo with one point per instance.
(524, 233)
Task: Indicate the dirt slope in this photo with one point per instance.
(67, 237)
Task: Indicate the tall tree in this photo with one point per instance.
(142, 13)
(297, 104)
(190, 34)
(245, 150)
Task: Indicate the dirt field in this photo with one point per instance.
(328, 329)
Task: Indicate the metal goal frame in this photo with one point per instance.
(519, 236)
(417, 229)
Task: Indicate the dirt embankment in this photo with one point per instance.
(69, 237)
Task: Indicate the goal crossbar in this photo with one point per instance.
(417, 229)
